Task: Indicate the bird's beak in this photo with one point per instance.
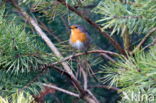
(70, 27)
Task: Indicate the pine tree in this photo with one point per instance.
(37, 65)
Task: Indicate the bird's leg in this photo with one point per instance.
(74, 52)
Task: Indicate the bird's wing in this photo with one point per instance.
(86, 32)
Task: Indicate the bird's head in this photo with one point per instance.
(75, 26)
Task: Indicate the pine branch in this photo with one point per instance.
(107, 57)
(85, 95)
(44, 27)
(85, 78)
(61, 90)
(42, 34)
(106, 35)
(76, 83)
(80, 54)
(51, 32)
(144, 39)
(82, 68)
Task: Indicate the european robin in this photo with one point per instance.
(79, 38)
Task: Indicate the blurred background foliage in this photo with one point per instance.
(135, 74)
(22, 51)
(139, 16)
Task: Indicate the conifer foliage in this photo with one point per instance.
(37, 64)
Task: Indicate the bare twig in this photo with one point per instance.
(62, 90)
(74, 80)
(42, 34)
(144, 39)
(51, 32)
(86, 7)
(65, 24)
(88, 52)
(151, 44)
(107, 57)
(106, 35)
(85, 95)
(43, 67)
(82, 66)
(85, 78)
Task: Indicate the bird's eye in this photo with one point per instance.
(73, 27)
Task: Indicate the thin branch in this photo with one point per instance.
(92, 96)
(106, 35)
(85, 95)
(43, 67)
(46, 66)
(42, 34)
(75, 81)
(144, 39)
(107, 57)
(86, 7)
(151, 44)
(51, 32)
(82, 66)
(61, 90)
(80, 54)
(65, 24)
(85, 78)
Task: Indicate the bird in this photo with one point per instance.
(79, 38)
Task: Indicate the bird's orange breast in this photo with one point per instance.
(77, 35)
